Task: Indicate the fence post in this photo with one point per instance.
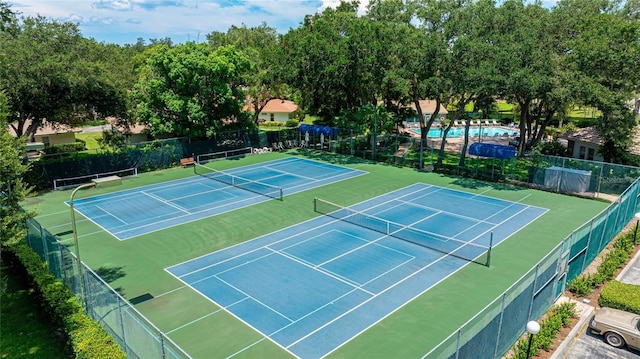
(495, 349)
(533, 291)
(124, 339)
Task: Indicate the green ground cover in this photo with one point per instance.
(90, 139)
(135, 267)
(26, 330)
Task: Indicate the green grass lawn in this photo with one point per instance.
(25, 330)
(136, 266)
(91, 139)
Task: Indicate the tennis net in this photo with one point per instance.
(236, 181)
(469, 251)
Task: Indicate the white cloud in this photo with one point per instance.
(118, 5)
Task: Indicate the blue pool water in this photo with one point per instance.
(473, 132)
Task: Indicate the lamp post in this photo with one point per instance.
(635, 233)
(75, 238)
(533, 328)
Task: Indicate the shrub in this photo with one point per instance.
(291, 123)
(557, 318)
(621, 296)
(87, 338)
(612, 261)
(67, 147)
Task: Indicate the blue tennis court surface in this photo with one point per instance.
(138, 211)
(314, 286)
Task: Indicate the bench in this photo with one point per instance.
(188, 161)
(107, 181)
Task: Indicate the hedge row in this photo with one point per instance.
(612, 261)
(86, 337)
(621, 296)
(557, 318)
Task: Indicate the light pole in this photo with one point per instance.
(75, 238)
(635, 233)
(533, 328)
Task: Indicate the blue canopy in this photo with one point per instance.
(492, 150)
(317, 130)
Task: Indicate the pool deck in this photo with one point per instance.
(453, 143)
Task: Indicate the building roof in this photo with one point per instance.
(591, 135)
(280, 106)
(429, 107)
(587, 135)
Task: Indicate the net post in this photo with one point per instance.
(315, 204)
(281, 194)
(489, 250)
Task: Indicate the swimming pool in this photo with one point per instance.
(473, 132)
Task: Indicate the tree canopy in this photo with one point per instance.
(51, 73)
(190, 89)
(456, 52)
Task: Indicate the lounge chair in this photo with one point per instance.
(463, 123)
(455, 123)
(495, 123)
(486, 122)
(274, 146)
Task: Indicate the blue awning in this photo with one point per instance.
(492, 150)
(317, 130)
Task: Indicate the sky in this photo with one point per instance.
(124, 21)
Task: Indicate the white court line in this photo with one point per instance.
(209, 190)
(272, 243)
(193, 321)
(164, 201)
(349, 283)
(171, 291)
(373, 297)
(255, 299)
(245, 348)
(344, 295)
(52, 214)
(110, 214)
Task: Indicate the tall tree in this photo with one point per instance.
(50, 74)
(259, 45)
(191, 90)
(329, 59)
(603, 53)
(526, 61)
(12, 188)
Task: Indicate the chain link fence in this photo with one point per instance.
(136, 335)
(489, 334)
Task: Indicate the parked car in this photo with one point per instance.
(618, 327)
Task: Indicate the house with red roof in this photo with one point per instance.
(278, 110)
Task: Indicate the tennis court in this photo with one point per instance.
(134, 212)
(314, 286)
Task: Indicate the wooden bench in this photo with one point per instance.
(188, 161)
